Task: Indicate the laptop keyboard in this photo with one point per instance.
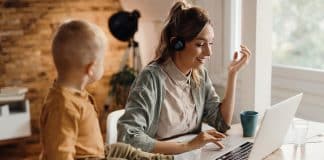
(240, 153)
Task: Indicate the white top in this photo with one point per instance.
(178, 111)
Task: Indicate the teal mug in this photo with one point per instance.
(249, 121)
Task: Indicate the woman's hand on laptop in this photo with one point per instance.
(206, 137)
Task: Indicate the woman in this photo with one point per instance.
(173, 95)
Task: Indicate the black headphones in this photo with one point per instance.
(178, 43)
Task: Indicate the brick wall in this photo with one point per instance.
(26, 30)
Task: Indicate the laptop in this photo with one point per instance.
(271, 133)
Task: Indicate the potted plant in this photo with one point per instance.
(120, 84)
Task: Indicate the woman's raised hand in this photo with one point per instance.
(238, 64)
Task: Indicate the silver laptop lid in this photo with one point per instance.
(274, 127)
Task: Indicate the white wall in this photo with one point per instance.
(150, 24)
(148, 37)
(215, 9)
(256, 34)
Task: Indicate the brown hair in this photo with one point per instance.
(183, 22)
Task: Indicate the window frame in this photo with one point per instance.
(289, 80)
(283, 78)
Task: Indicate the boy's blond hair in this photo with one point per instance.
(76, 44)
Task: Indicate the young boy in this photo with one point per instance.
(69, 120)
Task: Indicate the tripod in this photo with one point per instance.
(132, 54)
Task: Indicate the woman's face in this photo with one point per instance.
(197, 51)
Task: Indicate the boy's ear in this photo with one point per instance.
(89, 68)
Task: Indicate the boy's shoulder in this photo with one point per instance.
(61, 100)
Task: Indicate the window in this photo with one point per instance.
(298, 33)
(298, 54)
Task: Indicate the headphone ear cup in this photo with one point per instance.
(178, 44)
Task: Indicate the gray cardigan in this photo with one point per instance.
(138, 126)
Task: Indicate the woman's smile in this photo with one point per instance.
(202, 60)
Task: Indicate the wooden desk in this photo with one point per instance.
(308, 151)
